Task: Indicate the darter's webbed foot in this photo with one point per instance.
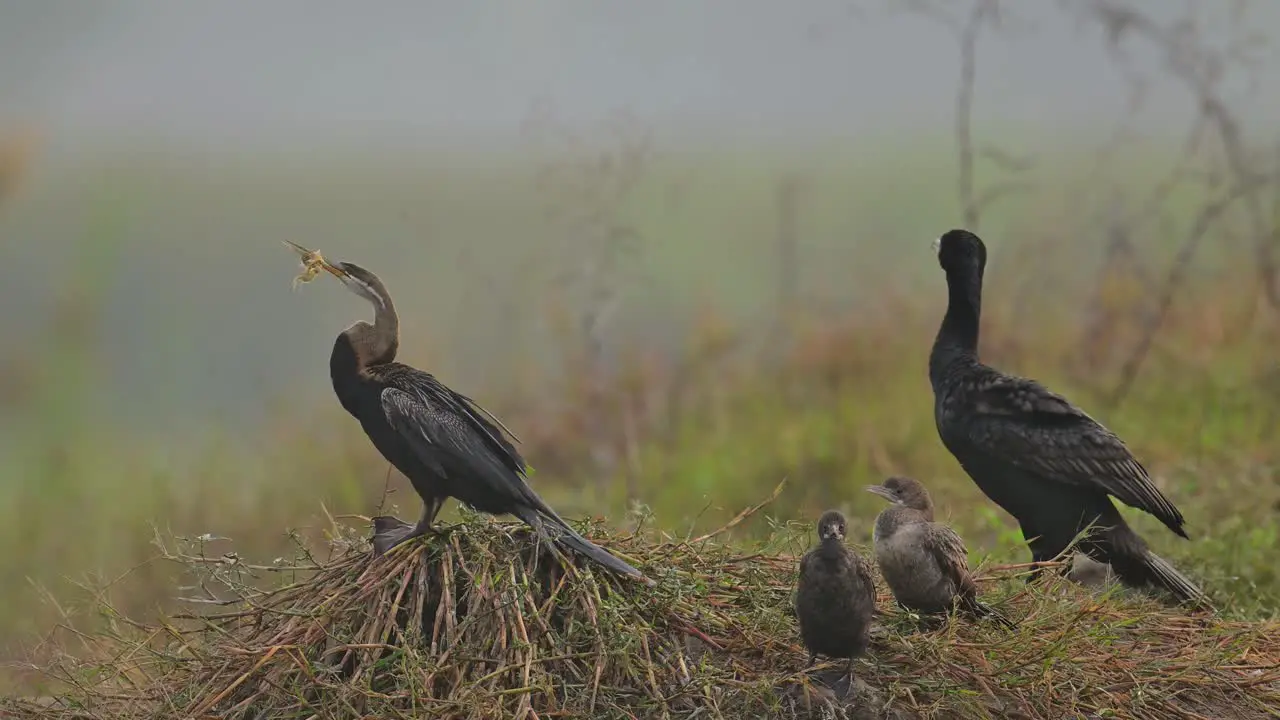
(389, 532)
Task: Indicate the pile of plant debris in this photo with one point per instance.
(484, 622)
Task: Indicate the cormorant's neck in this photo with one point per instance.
(922, 506)
(957, 339)
(830, 548)
(897, 516)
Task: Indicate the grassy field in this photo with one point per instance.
(179, 385)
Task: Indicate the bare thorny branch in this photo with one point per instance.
(1201, 70)
(1181, 265)
(982, 10)
(983, 14)
(589, 188)
(1230, 174)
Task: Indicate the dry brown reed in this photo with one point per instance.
(486, 623)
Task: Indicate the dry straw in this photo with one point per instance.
(484, 623)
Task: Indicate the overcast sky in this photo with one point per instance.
(234, 75)
(434, 71)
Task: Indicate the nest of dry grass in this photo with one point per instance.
(485, 624)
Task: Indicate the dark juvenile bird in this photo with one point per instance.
(442, 441)
(1037, 456)
(925, 563)
(835, 597)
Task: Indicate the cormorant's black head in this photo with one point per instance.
(831, 526)
(904, 491)
(961, 251)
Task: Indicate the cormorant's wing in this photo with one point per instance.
(1021, 422)
(948, 550)
(806, 562)
(439, 424)
(863, 570)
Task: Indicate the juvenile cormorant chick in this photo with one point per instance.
(1037, 456)
(443, 441)
(835, 596)
(924, 562)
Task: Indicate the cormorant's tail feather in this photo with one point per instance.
(579, 544)
(1166, 576)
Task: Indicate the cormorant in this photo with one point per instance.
(835, 596)
(443, 441)
(924, 562)
(1037, 456)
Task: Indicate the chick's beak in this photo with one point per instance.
(882, 491)
(936, 245)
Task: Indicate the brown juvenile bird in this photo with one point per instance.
(925, 563)
(835, 596)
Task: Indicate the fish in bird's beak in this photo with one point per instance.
(312, 263)
(882, 491)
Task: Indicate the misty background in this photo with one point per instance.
(682, 249)
(178, 143)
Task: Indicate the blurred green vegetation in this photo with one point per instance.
(172, 382)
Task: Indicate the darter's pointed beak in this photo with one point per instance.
(313, 262)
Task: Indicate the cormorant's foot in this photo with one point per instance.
(839, 679)
(389, 532)
(931, 622)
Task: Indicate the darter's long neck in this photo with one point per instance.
(386, 334)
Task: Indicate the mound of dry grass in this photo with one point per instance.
(484, 623)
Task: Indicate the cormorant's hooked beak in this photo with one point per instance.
(883, 492)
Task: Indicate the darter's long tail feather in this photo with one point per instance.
(565, 535)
